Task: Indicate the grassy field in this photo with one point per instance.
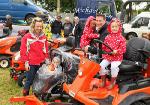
(8, 88)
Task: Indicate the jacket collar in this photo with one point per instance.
(33, 35)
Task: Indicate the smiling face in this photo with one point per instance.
(114, 27)
(38, 27)
(100, 21)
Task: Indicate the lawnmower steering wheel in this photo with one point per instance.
(101, 42)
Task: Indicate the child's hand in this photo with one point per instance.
(51, 67)
(114, 52)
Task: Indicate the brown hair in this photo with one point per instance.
(102, 15)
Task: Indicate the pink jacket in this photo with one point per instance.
(117, 42)
(34, 50)
(88, 33)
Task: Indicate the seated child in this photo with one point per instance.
(54, 67)
(46, 76)
(118, 43)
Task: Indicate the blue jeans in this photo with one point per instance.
(54, 36)
(30, 75)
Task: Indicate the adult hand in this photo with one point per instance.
(27, 67)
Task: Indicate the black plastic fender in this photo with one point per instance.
(134, 97)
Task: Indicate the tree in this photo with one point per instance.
(67, 5)
(118, 4)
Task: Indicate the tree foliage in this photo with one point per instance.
(118, 4)
(67, 5)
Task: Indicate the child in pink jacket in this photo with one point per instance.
(118, 43)
(88, 32)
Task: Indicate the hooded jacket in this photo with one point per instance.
(116, 41)
(34, 50)
(88, 33)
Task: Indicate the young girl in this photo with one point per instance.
(118, 43)
(88, 32)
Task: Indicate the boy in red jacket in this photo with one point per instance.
(34, 51)
(118, 43)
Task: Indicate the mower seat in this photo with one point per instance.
(69, 45)
(135, 56)
(130, 67)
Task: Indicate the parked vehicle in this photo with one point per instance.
(20, 9)
(86, 8)
(8, 47)
(137, 25)
(132, 87)
(135, 16)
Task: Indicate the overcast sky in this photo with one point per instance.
(124, 0)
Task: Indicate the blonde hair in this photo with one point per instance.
(34, 20)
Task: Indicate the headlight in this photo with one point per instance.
(80, 73)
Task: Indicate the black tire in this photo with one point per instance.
(4, 62)
(29, 18)
(21, 80)
(130, 36)
(138, 103)
(132, 52)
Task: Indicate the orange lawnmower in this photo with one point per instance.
(133, 83)
(132, 87)
(8, 47)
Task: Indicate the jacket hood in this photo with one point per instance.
(120, 26)
(89, 19)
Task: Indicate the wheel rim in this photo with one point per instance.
(29, 20)
(4, 63)
(131, 36)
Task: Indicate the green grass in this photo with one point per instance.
(8, 88)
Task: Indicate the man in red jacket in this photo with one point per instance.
(34, 51)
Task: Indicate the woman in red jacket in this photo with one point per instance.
(118, 43)
(88, 32)
(34, 51)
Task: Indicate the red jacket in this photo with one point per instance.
(34, 50)
(116, 41)
(88, 33)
